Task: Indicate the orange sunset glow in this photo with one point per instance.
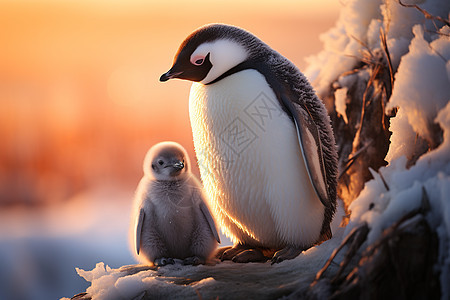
(80, 105)
(80, 96)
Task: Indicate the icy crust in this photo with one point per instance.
(226, 280)
(380, 204)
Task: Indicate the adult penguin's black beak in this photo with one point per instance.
(169, 75)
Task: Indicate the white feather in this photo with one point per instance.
(261, 179)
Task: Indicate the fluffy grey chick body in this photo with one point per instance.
(171, 218)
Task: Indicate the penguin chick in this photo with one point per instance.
(171, 219)
(264, 140)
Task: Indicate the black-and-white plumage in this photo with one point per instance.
(171, 219)
(270, 202)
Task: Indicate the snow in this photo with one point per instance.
(430, 175)
(340, 102)
(342, 44)
(227, 280)
(357, 30)
(420, 53)
(425, 69)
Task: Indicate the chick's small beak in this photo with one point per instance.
(169, 75)
(178, 165)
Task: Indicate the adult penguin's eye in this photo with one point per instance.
(198, 60)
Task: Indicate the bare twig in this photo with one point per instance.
(437, 52)
(425, 13)
(351, 72)
(358, 240)
(359, 235)
(362, 44)
(375, 72)
(383, 106)
(390, 232)
(356, 237)
(367, 61)
(353, 158)
(388, 56)
(81, 296)
(432, 18)
(384, 181)
(437, 32)
(391, 75)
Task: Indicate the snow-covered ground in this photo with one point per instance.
(226, 280)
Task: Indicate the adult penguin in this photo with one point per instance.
(264, 143)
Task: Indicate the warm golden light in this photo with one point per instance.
(80, 96)
(80, 105)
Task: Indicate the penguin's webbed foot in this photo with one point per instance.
(220, 251)
(250, 255)
(193, 260)
(240, 253)
(159, 262)
(231, 252)
(286, 253)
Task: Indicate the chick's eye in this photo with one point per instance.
(160, 162)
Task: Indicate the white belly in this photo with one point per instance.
(251, 165)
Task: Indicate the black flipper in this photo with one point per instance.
(210, 220)
(139, 230)
(307, 133)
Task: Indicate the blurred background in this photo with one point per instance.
(80, 105)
